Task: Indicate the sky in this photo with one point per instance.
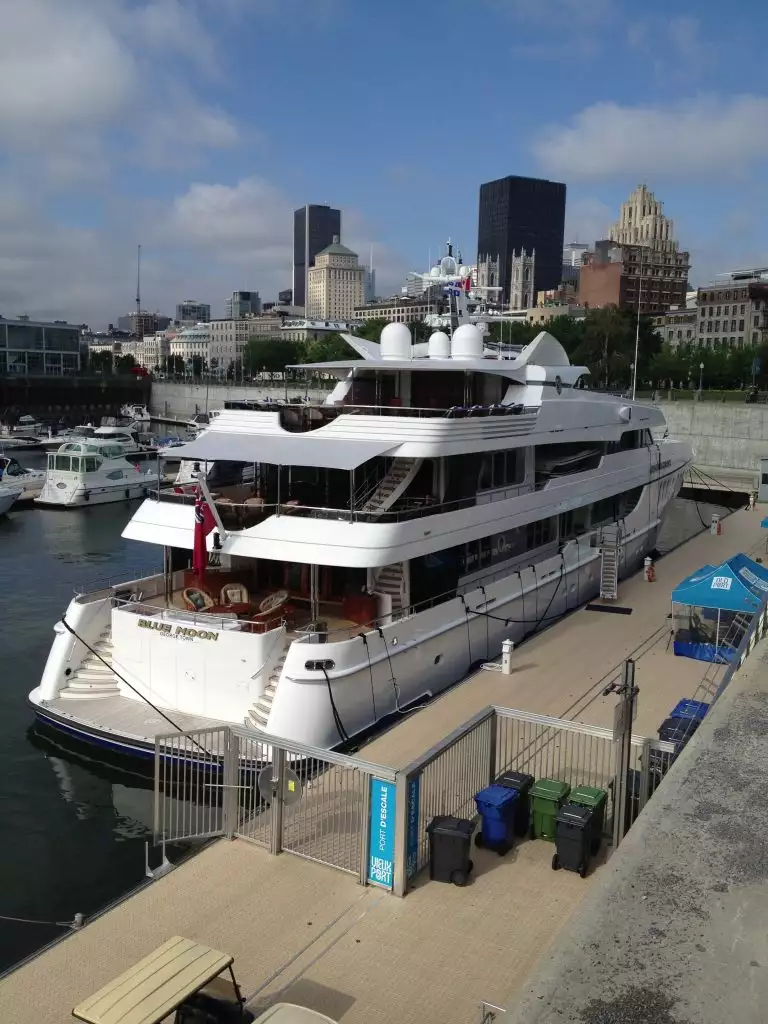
(195, 127)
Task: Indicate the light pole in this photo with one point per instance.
(632, 371)
(701, 377)
(637, 327)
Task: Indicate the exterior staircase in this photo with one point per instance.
(389, 580)
(391, 486)
(609, 563)
(94, 678)
(258, 715)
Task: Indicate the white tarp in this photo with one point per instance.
(308, 449)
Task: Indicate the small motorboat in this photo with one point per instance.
(9, 495)
(30, 480)
(137, 413)
(93, 472)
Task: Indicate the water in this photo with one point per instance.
(73, 831)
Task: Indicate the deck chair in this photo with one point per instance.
(234, 593)
(196, 600)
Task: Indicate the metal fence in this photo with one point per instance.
(290, 797)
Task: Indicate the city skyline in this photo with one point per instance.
(190, 157)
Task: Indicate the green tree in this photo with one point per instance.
(100, 361)
(197, 366)
(371, 329)
(124, 364)
(327, 349)
(270, 355)
(518, 332)
(176, 365)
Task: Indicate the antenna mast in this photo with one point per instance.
(138, 286)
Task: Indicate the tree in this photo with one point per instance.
(327, 349)
(100, 361)
(197, 366)
(270, 355)
(371, 329)
(124, 364)
(176, 365)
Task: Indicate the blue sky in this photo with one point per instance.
(195, 127)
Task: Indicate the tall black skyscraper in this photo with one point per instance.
(313, 230)
(523, 213)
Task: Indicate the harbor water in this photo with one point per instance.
(74, 830)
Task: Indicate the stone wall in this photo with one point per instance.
(723, 434)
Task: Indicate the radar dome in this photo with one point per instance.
(395, 342)
(439, 346)
(435, 272)
(467, 342)
(465, 271)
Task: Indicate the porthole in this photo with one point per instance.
(319, 666)
(438, 658)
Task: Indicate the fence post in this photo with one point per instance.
(622, 735)
(494, 725)
(157, 817)
(231, 777)
(365, 830)
(401, 835)
(645, 774)
(278, 769)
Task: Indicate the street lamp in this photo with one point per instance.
(701, 377)
(632, 371)
(637, 327)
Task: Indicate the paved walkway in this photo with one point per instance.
(310, 934)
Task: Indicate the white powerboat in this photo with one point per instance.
(30, 480)
(136, 412)
(9, 495)
(53, 441)
(93, 472)
(444, 498)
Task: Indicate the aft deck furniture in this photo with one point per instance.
(234, 593)
(196, 600)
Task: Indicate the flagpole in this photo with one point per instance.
(200, 477)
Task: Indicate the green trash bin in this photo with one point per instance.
(590, 796)
(547, 797)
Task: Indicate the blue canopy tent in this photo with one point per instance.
(712, 608)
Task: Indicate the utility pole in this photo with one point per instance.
(138, 286)
(623, 717)
(637, 327)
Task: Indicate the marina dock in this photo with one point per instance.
(304, 932)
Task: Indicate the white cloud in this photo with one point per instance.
(673, 48)
(705, 137)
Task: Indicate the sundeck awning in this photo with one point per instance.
(154, 987)
(282, 450)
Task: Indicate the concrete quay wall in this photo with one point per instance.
(183, 401)
(729, 435)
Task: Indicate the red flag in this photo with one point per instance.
(468, 285)
(204, 523)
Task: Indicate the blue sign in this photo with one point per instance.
(756, 366)
(412, 841)
(381, 843)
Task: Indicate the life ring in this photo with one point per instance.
(273, 601)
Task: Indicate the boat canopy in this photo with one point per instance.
(152, 989)
(283, 450)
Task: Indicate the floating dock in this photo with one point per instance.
(306, 933)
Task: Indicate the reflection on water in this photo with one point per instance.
(74, 829)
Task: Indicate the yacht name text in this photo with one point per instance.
(182, 632)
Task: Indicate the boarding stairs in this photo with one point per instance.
(391, 486)
(258, 715)
(610, 549)
(390, 580)
(94, 678)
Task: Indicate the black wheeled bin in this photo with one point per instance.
(673, 730)
(522, 783)
(449, 845)
(573, 839)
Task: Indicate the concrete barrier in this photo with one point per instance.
(183, 401)
(727, 434)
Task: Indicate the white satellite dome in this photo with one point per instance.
(435, 272)
(395, 342)
(465, 271)
(439, 346)
(467, 342)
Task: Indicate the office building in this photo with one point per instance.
(143, 323)
(285, 297)
(314, 228)
(36, 348)
(191, 342)
(190, 311)
(242, 304)
(521, 213)
(677, 326)
(734, 310)
(642, 222)
(369, 285)
(634, 276)
(400, 310)
(574, 255)
(336, 283)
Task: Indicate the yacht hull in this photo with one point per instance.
(81, 498)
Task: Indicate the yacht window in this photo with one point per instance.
(13, 469)
(499, 469)
(75, 464)
(115, 474)
(91, 464)
(62, 463)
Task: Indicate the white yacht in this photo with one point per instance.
(30, 480)
(54, 441)
(9, 495)
(93, 472)
(445, 497)
(137, 413)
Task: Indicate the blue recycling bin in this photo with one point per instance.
(689, 709)
(496, 806)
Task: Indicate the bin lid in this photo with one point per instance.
(687, 708)
(515, 780)
(551, 789)
(678, 730)
(496, 796)
(446, 825)
(575, 814)
(588, 796)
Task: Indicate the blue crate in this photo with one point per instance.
(689, 709)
